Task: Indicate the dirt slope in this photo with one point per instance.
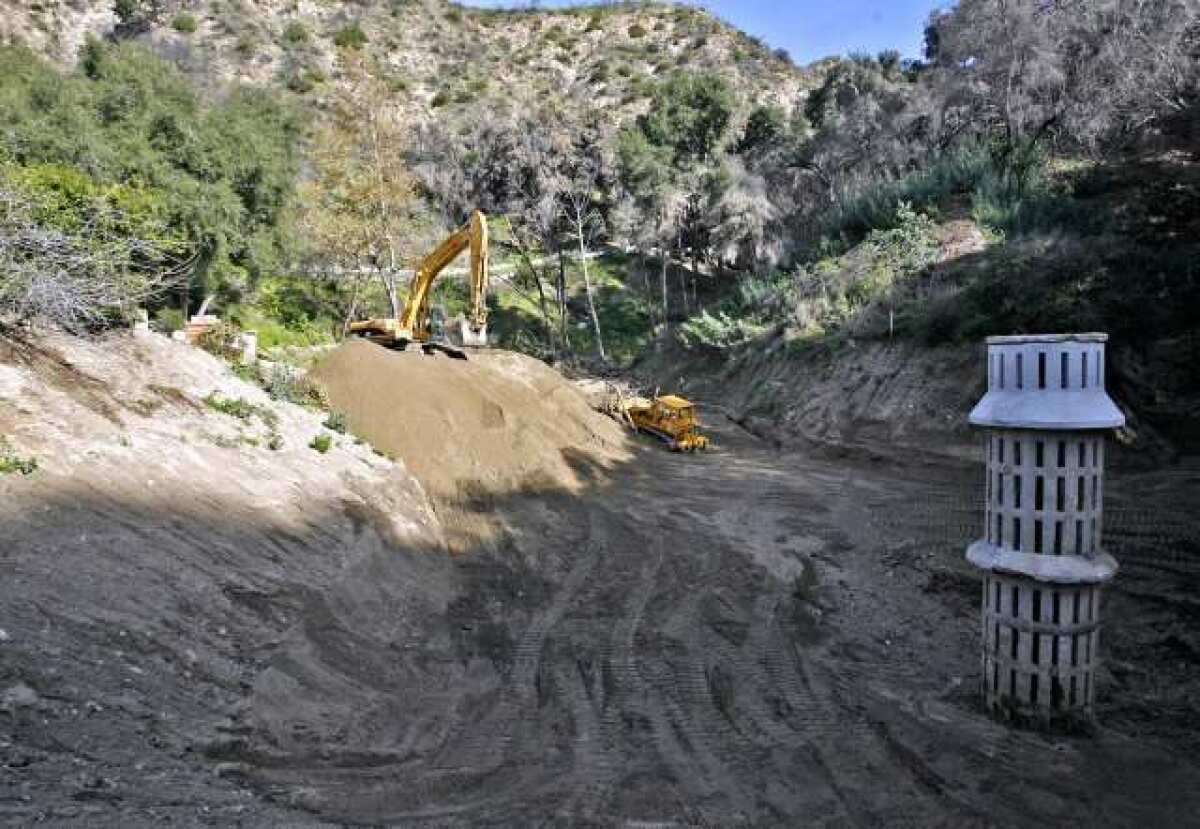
(151, 565)
(172, 586)
(739, 638)
(862, 397)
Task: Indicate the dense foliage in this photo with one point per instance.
(126, 141)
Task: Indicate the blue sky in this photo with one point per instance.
(813, 29)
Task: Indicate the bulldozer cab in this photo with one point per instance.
(675, 411)
(676, 418)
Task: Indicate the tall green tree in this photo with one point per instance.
(671, 162)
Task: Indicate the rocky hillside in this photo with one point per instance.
(433, 54)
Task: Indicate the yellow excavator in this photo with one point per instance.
(413, 325)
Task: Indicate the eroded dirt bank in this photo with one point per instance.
(211, 635)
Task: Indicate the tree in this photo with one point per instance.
(765, 129)
(136, 16)
(742, 217)
(689, 114)
(363, 210)
(79, 271)
(670, 163)
(217, 175)
(1147, 66)
(586, 223)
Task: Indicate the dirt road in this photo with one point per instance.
(745, 637)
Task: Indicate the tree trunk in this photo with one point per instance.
(562, 302)
(535, 273)
(683, 291)
(587, 287)
(663, 283)
(352, 311)
(541, 289)
(389, 285)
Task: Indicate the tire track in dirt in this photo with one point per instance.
(484, 767)
(491, 746)
(676, 672)
(599, 767)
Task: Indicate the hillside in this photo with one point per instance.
(432, 54)
(877, 344)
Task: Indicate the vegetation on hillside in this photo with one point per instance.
(650, 171)
(130, 183)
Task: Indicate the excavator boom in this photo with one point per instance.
(413, 323)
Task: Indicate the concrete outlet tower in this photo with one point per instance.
(1044, 420)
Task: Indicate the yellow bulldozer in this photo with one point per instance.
(669, 418)
(413, 325)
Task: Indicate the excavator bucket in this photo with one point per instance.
(475, 338)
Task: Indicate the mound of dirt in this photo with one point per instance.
(496, 423)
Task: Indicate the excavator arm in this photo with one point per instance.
(413, 324)
(474, 330)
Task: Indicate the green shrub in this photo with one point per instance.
(322, 443)
(184, 23)
(241, 408)
(169, 319)
(295, 32)
(247, 45)
(637, 30)
(350, 37)
(286, 384)
(11, 462)
(719, 330)
(859, 210)
(440, 99)
(302, 78)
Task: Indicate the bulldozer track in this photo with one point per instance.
(677, 670)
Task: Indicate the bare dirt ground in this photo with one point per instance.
(746, 637)
(752, 636)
